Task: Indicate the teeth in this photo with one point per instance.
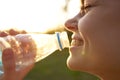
(77, 43)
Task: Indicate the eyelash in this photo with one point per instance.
(87, 7)
(84, 9)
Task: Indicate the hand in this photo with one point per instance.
(10, 72)
(8, 59)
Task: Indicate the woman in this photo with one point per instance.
(95, 46)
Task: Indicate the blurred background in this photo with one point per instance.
(43, 16)
(36, 15)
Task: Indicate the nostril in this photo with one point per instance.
(71, 25)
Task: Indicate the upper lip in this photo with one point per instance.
(77, 40)
(76, 37)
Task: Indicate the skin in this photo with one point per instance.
(10, 72)
(95, 46)
(8, 59)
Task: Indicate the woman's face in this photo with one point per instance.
(95, 45)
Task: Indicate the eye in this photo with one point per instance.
(85, 9)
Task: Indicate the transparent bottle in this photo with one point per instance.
(30, 48)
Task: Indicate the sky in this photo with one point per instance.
(34, 15)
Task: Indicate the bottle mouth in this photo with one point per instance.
(62, 39)
(59, 41)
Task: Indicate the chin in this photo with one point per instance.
(71, 64)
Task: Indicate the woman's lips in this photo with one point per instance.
(77, 42)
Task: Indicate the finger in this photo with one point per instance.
(23, 32)
(15, 32)
(3, 33)
(8, 64)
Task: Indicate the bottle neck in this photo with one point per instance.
(62, 40)
(59, 41)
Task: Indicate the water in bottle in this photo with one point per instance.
(30, 48)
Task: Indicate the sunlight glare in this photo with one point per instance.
(73, 8)
(32, 15)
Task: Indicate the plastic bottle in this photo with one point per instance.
(30, 48)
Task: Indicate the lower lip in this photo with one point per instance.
(74, 48)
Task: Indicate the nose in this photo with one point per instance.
(72, 24)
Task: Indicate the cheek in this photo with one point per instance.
(97, 20)
(102, 41)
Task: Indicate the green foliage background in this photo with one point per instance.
(54, 68)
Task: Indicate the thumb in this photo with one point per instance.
(8, 64)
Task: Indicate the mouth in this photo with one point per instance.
(77, 41)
